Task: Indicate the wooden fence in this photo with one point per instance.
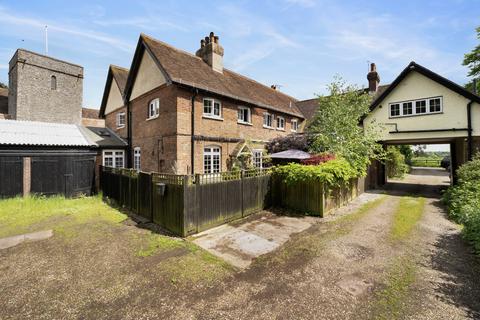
(186, 204)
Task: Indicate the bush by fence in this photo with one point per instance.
(463, 201)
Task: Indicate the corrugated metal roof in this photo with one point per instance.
(32, 133)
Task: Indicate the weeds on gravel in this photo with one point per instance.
(408, 212)
(390, 302)
(22, 215)
(310, 243)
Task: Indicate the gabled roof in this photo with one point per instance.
(119, 75)
(33, 133)
(309, 107)
(104, 137)
(186, 69)
(412, 66)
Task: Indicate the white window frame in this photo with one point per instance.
(414, 107)
(120, 123)
(265, 125)
(137, 158)
(280, 123)
(113, 155)
(240, 115)
(212, 114)
(209, 153)
(257, 161)
(294, 127)
(153, 108)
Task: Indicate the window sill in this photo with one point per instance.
(152, 118)
(212, 118)
(416, 115)
(279, 129)
(295, 131)
(245, 123)
(120, 127)
(267, 127)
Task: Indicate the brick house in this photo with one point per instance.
(185, 113)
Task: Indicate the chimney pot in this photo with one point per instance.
(274, 87)
(211, 52)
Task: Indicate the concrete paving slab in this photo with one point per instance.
(240, 244)
(16, 240)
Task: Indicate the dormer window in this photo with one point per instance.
(154, 108)
(53, 82)
(212, 108)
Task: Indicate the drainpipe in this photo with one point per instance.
(129, 135)
(469, 123)
(192, 148)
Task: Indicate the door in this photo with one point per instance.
(11, 176)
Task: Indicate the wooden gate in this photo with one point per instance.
(11, 176)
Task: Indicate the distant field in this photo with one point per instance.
(426, 162)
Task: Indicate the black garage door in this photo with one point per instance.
(11, 176)
(68, 175)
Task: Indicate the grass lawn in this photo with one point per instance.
(96, 256)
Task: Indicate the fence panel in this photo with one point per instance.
(144, 195)
(168, 207)
(256, 194)
(306, 197)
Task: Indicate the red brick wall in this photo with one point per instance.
(165, 141)
(111, 122)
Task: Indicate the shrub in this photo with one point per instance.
(395, 161)
(318, 159)
(332, 173)
(463, 201)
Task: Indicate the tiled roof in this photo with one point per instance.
(34, 133)
(187, 69)
(3, 100)
(120, 75)
(310, 106)
(90, 113)
(3, 92)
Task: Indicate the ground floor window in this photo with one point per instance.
(211, 159)
(136, 158)
(113, 158)
(258, 158)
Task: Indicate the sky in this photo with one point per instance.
(298, 44)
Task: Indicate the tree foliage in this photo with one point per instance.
(3, 85)
(335, 127)
(472, 61)
(395, 161)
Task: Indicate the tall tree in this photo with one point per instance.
(3, 85)
(472, 61)
(335, 127)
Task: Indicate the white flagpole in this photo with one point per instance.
(46, 39)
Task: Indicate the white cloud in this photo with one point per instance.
(141, 23)
(3, 66)
(19, 21)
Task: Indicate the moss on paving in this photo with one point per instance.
(22, 215)
(408, 213)
(392, 300)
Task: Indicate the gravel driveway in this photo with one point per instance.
(347, 266)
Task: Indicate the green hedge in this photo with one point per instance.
(332, 173)
(463, 201)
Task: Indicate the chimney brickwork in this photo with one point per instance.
(211, 52)
(373, 78)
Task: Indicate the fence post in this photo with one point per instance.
(242, 174)
(152, 190)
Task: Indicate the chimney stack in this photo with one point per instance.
(373, 79)
(211, 52)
